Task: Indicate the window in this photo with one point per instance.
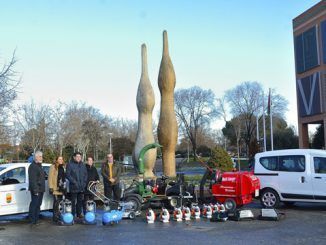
(320, 165)
(323, 34)
(269, 163)
(306, 52)
(13, 176)
(292, 163)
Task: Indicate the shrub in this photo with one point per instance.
(220, 159)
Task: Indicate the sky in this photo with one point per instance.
(90, 51)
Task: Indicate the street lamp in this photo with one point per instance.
(110, 135)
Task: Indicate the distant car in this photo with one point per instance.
(296, 175)
(127, 162)
(14, 194)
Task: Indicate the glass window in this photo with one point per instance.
(269, 163)
(320, 165)
(306, 52)
(13, 176)
(2, 168)
(292, 163)
(323, 34)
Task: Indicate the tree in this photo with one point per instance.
(34, 122)
(195, 108)
(9, 85)
(246, 102)
(122, 146)
(318, 138)
(220, 159)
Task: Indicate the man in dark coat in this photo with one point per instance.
(76, 173)
(36, 180)
(111, 178)
(92, 175)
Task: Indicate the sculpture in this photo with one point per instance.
(167, 127)
(145, 105)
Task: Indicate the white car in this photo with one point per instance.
(297, 175)
(14, 194)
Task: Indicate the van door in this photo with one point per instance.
(294, 182)
(319, 177)
(14, 194)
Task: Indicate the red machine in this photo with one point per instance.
(235, 189)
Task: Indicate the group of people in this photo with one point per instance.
(74, 176)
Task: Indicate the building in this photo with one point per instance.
(309, 32)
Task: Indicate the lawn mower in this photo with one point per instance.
(159, 192)
(233, 189)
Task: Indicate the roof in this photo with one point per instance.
(20, 164)
(292, 151)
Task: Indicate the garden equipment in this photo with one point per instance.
(233, 189)
(90, 215)
(177, 214)
(114, 210)
(186, 213)
(65, 209)
(207, 211)
(165, 216)
(195, 212)
(270, 214)
(159, 192)
(150, 216)
(246, 214)
(220, 215)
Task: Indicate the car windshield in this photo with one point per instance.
(2, 168)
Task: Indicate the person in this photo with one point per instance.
(92, 175)
(56, 185)
(36, 179)
(76, 173)
(111, 178)
(30, 158)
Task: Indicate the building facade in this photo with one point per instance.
(309, 33)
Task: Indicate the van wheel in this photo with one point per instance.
(269, 199)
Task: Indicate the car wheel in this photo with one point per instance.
(269, 199)
(230, 205)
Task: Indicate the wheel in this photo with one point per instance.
(269, 198)
(289, 204)
(132, 215)
(136, 205)
(230, 205)
(173, 202)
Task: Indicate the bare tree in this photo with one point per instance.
(195, 108)
(34, 122)
(9, 85)
(245, 102)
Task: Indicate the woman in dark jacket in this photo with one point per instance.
(92, 175)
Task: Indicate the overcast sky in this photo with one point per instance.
(91, 50)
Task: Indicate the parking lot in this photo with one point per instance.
(303, 224)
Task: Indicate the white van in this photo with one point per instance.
(14, 194)
(297, 175)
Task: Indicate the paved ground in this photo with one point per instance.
(303, 224)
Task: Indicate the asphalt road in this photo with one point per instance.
(302, 224)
